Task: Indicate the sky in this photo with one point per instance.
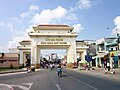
(91, 19)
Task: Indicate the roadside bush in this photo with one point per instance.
(20, 67)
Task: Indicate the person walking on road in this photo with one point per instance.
(27, 66)
(108, 66)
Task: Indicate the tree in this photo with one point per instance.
(3, 54)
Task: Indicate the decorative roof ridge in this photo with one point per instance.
(54, 25)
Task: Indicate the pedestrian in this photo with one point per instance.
(105, 62)
(51, 66)
(46, 65)
(27, 66)
(105, 70)
(108, 66)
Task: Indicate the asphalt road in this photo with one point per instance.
(46, 79)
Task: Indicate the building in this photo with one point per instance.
(81, 48)
(91, 52)
(113, 47)
(107, 46)
(9, 59)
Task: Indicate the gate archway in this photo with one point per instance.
(52, 37)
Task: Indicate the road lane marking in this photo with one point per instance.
(58, 87)
(84, 83)
(9, 86)
(30, 85)
(11, 73)
(23, 87)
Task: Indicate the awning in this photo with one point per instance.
(93, 57)
(100, 55)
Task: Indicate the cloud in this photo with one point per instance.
(77, 28)
(33, 7)
(56, 15)
(19, 36)
(83, 4)
(71, 17)
(16, 25)
(48, 16)
(1, 24)
(10, 26)
(117, 21)
(2, 49)
(31, 10)
(117, 26)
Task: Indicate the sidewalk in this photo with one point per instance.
(15, 71)
(101, 72)
(12, 71)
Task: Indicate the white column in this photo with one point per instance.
(38, 61)
(96, 62)
(68, 55)
(36, 56)
(74, 52)
(32, 54)
(21, 57)
(100, 61)
(85, 53)
(24, 57)
(71, 53)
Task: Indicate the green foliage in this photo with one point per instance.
(8, 68)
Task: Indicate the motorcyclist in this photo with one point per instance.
(52, 66)
(59, 70)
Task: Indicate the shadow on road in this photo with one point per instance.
(64, 75)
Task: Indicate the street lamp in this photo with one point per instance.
(118, 36)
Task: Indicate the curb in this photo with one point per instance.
(12, 71)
